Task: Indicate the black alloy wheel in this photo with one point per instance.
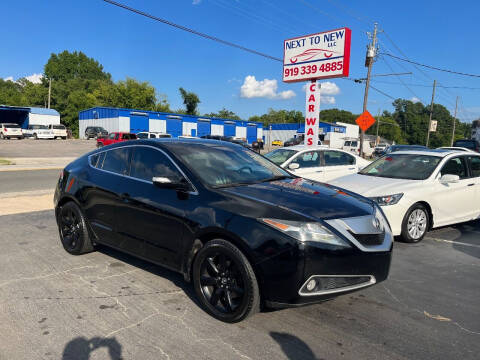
(73, 230)
(225, 282)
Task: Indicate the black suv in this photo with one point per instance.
(93, 132)
(468, 143)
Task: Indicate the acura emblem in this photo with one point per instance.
(376, 223)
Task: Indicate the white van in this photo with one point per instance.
(59, 131)
(353, 145)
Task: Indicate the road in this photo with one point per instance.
(110, 306)
(20, 181)
(45, 148)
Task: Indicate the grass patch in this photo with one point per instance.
(5, 162)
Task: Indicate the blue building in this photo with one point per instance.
(132, 120)
(284, 132)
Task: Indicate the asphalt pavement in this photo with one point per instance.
(20, 181)
(108, 305)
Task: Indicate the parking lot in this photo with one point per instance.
(107, 305)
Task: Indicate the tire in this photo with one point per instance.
(64, 138)
(225, 282)
(2, 137)
(99, 145)
(35, 136)
(415, 224)
(73, 230)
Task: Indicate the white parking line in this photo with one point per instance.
(452, 242)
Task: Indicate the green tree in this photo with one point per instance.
(191, 101)
(279, 117)
(224, 114)
(336, 115)
(67, 66)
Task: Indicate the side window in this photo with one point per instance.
(455, 166)
(111, 136)
(475, 165)
(152, 136)
(116, 160)
(142, 135)
(308, 159)
(125, 137)
(337, 158)
(148, 163)
(117, 136)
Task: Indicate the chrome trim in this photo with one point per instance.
(195, 192)
(343, 289)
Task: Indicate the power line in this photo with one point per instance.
(184, 28)
(430, 67)
(427, 85)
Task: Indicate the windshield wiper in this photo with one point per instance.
(278, 177)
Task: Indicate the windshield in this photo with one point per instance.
(279, 156)
(43, 127)
(225, 166)
(403, 166)
(465, 143)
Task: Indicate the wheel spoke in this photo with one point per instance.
(212, 267)
(222, 262)
(216, 296)
(226, 304)
(208, 281)
(238, 290)
(228, 297)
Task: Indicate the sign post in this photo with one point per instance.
(322, 55)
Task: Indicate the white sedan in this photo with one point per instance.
(421, 190)
(320, 163)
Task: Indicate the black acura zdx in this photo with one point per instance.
(243, 230)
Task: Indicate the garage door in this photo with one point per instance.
(251, 133)
(174, 127)
(229, 129)
(138, 123)
(203, 128)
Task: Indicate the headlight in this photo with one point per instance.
(387, 199)
(306, 231)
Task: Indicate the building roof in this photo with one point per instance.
(43, 111)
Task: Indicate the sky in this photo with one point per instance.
(441, 33)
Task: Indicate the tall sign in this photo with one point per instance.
(323, 55)
(312, 114)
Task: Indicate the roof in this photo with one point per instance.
(33, 110)
(43, 111)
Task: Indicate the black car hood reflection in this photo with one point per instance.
(312, 199)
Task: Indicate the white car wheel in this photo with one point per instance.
(415, 224)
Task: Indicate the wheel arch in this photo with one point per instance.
(211, 234)
(429, 210)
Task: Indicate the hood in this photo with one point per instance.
(311, 199)
(373, 185)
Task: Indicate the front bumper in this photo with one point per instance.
(395, 214)
(329, 263)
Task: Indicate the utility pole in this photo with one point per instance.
(49, 91)
(431, 111)
(371, 52)
(378, 125)
(454, 122)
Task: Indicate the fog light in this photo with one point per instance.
(311, 285)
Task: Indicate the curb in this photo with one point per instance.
(31, 168)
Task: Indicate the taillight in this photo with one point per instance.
(6, 129)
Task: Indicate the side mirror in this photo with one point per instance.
(293, 166)
(165, 182)
(449, 178)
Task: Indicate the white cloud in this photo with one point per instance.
(196, 2)
(415, 99)
(327, 92)
(35, 78)
(266, 88)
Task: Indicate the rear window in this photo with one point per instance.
(117, 160)
(59, 127)
(12, 126)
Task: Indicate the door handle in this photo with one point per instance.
(351, 168)
(318, 171)
(470, 184)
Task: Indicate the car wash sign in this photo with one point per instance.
(318, 56)
(312, 114)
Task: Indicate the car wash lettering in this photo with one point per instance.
(312, 112)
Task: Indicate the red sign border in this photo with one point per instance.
(346, 56)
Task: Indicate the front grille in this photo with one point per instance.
(328, 284)
(369, 239)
